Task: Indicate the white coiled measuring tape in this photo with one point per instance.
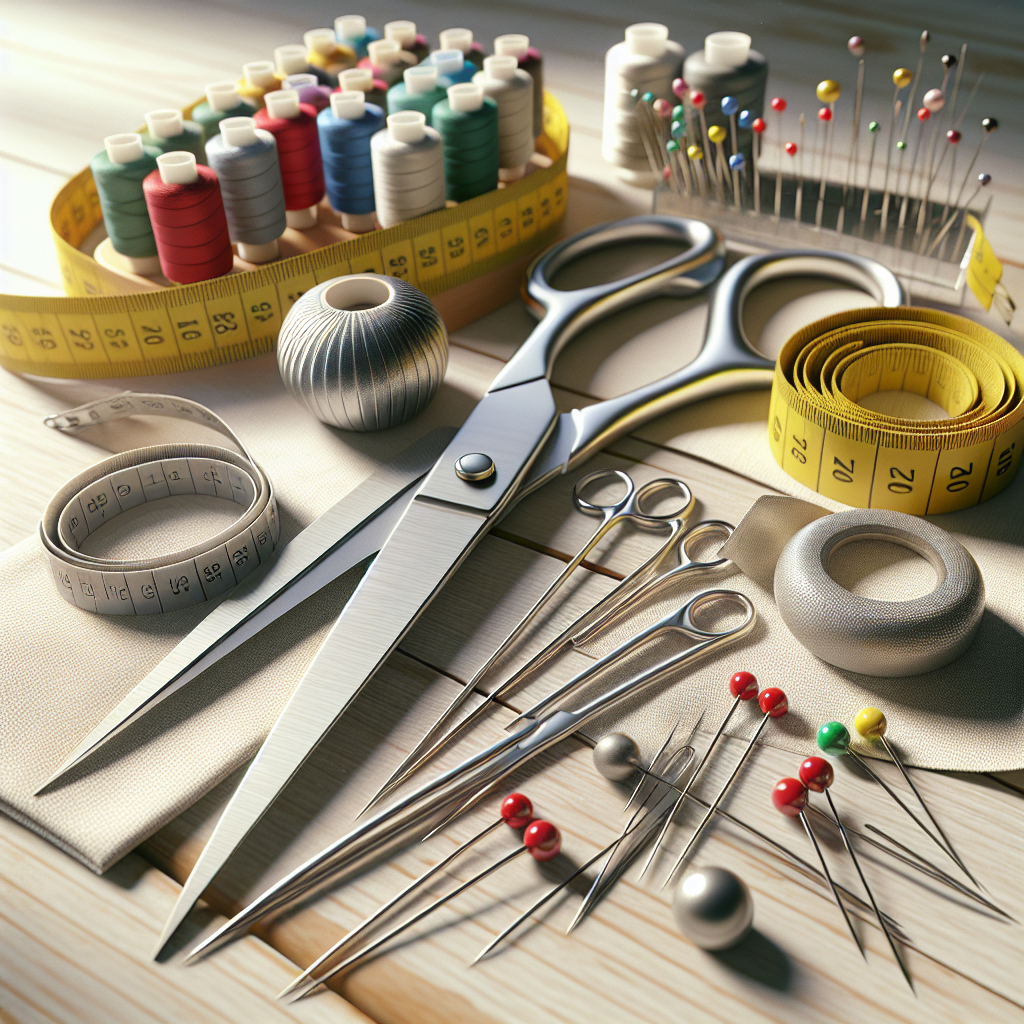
(178, 580)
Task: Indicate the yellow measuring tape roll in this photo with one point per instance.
(105, 333)
(822, 437)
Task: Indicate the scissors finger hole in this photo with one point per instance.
(703, 544)
(603, 491)
(718, 613)
(664, 499)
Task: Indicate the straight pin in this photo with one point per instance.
(779, 105)
(856, 46)
(871, 723)
(773, 704)
(790, 798)
(873, 129)
(828, 91)
(817, 775)
(901, 78)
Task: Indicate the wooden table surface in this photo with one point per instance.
(74, 947)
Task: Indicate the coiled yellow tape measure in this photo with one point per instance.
(107, 334)
(823, 438)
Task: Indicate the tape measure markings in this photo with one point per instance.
(98, 334)
(198, 573)
(824, 439)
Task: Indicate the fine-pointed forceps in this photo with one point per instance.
(469, 781)
(678, 621)
(646, 581)
(631, 507)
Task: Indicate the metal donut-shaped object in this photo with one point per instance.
(879, 638)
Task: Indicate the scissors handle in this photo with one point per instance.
(727, 362)
(567, 312)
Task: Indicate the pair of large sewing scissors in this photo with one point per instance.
(512, 443)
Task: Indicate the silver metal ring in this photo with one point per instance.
(879, 638)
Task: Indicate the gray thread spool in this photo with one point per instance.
(727, 66)
(647, 60)
(245, 159)
(408, 170)
(512, 89)
(363, 352)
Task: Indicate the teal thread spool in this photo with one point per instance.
(118, 171)
(418, 91)
(467, 122)
(352, 31)
(170, 133)
(222, 100)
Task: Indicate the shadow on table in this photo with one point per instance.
(759, 959)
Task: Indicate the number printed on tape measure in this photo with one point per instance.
(102, 333)
(823, 438)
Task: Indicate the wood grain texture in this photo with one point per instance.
(74, 948)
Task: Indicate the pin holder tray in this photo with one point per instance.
(938, 276)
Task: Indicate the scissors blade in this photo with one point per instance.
(353, 529)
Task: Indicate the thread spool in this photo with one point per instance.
(258, 78)
(462, 39)
(222, 100)
(727, 66)
(386, 61)
(118, 170)
(291, 59)
(309, 89)
(246, 162)
(452, 67)
(361, 80)
(345, 130)
(408, 169)
(189, 225)
(352, 31)
(293, 125)
(532, 63)
(468, 124)
(169, 132)
(648, 61)
(363, 352)
(326, 56)
(404, 33)
(418, 91)
(512, 89)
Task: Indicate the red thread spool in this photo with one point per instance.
(189, 226)
(298, 150)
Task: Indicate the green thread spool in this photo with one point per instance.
(418, 91)
(169, 133)
(222, 100)
(118, 171)
(467, 122)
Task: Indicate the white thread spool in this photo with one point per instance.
(408, 169)
(512, 89)
(292, 59)
(363, 352)
(646, 60)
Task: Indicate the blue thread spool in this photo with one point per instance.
(452, 67)
(352, 30)
(345, 129)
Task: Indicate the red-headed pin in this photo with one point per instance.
(790, 798)
(779, 105)
(773, 704)
(817, 775)
(516, 812)
(541, 840)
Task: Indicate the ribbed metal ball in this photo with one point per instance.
(363, 352)
(713, 908)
